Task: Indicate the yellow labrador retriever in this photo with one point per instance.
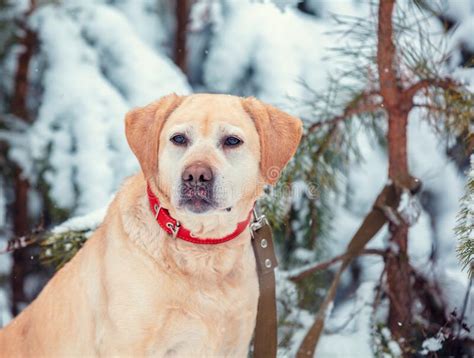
(151, 280)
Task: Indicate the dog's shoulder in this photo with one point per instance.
(128, 197)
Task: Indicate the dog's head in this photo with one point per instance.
(208, 153)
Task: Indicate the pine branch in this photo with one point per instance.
(59, 248)
(366, 106)
(411, 91)
(465, 227)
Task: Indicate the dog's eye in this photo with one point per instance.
(232, 141)
(179, 139)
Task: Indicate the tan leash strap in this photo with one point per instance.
(265, 339)
(385, 206)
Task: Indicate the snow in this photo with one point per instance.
(136, 71)
(457, 10)
(86, 222)
(461, 36)
(284, 4)
(148, 18)
(431, 345)
(353, 339)
(442, 180)
(409, 207)
(275, 47)
(420, 239)
(5, 315)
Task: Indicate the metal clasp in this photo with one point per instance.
(174, 228)
(258, 221)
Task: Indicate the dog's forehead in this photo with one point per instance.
(206, 112)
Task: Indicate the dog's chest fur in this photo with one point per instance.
(189, 299)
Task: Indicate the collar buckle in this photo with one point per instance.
(257, 223)
(174, 228)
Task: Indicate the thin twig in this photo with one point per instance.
(24, 241)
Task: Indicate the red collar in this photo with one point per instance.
(173, 227)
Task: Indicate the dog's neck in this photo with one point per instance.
(176, 254)
(214, 224)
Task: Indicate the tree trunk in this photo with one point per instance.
(397, 146)
(20, 207)
(20, 93)
(397, 107)
(20, 227)
(180, 53)
(398, 270)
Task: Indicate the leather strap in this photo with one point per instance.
(265, 338)
(384, 210)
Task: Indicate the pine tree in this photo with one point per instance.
(393, 76)
(465, 228)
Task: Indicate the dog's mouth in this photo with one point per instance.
(197, 198)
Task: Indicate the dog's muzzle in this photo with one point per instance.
(197, 186)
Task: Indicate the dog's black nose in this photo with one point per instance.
(197, 173)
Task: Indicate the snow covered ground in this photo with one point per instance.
(97, 59)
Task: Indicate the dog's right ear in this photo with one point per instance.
(143, 127)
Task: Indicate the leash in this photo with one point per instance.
(265, 338)
(384, 210)
(374, 221)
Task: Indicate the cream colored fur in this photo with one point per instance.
(134, 291)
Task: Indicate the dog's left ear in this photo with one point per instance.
(280, 134)
(143, 127)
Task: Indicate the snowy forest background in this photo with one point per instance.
(70, 70)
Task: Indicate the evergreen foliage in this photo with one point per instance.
(58, 248)
(465, 227)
